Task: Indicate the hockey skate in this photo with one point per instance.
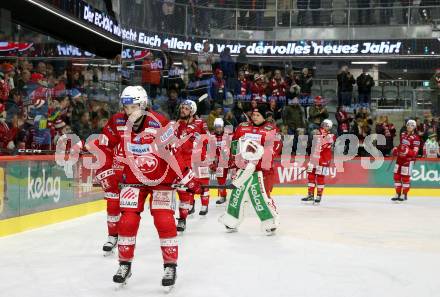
(192, 210)
(221, 200)
(270, 232)
(396, 198)
(308, 198)
(317, 200)
(181, 225)
(109, 246)
(170, 275)
(230, 230)
(123, 273)
(404, 198)
(203, 210)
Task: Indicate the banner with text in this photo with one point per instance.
(302, 48)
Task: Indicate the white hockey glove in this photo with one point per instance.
(251, 150)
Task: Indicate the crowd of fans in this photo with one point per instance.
(43, 100)
(235, 86)
(40, 102)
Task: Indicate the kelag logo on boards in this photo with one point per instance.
(43, 187)
(426, 174)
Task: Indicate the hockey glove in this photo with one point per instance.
(189, 183)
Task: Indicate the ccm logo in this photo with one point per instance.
(29, 151)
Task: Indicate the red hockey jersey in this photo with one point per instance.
(408, 148)
(266, 135)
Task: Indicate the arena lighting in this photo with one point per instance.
(85, 27)
(369, 62)
(72, 21)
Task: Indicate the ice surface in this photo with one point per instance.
(348, 246)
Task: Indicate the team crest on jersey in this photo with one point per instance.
(120, 121)
(147, 164)
(405, 141)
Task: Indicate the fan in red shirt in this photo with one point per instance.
(258, 88)
(277, 85)
(406, 153)
(244, 85)
(6, 135)
(319, 163)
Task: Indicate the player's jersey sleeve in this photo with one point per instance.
(235, 137)
(109, 137)
(277, 144)
(415, 146)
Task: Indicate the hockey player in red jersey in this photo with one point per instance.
(319, 163)
(150, 169)
(254, 146)
(110, 173)
(406, 153)
(190, 128)
(220, 171)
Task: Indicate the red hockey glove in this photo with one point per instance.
(189, 183)
(213, 166)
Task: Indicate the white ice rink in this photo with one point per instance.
(347, 247)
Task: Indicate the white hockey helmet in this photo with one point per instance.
(134, 95)
(218, 122)
(327, 123)
(192, 106)
(411, 123)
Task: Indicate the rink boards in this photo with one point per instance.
(40, 219)
(35, 191)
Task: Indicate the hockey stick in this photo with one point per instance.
(176, 186)
(227, 187)
(203, 97)
(36, 152)
(302, 171)
(72, 185)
